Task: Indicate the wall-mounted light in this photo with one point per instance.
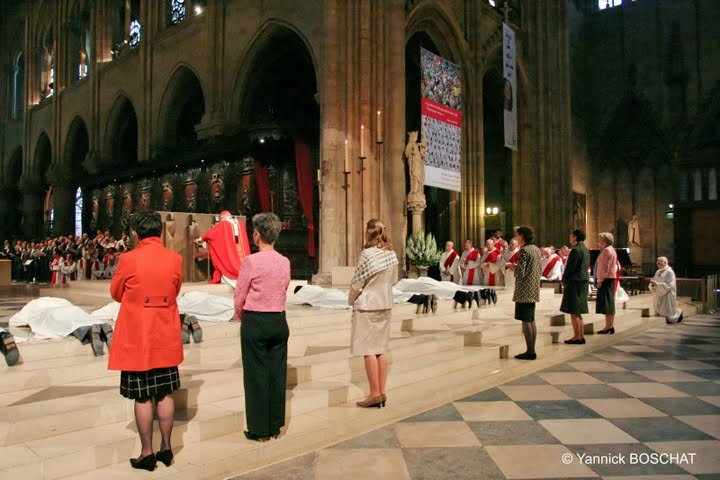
(488, 210)
(262, 140)
(495, 210)
(671, 206)
(198, 9)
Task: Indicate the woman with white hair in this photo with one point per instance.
(664, 291)
(606, 275)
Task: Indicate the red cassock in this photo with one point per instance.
(147, 332)
(225, 253)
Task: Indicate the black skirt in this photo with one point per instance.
(152, 384)
(525, 312)
(605, 302)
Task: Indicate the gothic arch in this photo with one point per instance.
(272, 32)
(77, 145)
(42, 157)
(181, 107)
(14, 167)
(121, 133)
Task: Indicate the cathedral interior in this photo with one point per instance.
(109, 107)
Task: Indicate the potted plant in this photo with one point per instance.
(422, 252)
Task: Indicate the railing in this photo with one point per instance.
(712, 293)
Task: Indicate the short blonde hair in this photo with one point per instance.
(607, 237)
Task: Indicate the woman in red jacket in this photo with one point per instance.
(147, 344)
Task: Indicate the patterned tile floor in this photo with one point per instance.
(609, 414)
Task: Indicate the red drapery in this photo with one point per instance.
(262, 181)
(303, 167)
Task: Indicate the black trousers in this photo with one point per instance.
(264, 337)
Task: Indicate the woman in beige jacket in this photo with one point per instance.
(372, 300)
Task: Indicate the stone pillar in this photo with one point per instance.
(32, 207)
(416, 206)
(5, 206)
(64, 206)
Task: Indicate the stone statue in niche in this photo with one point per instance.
(94, 209)
(634, 232)
(144, 197)
(217, 186)
(190, 180)
(127, 205)
(415, 153)
(109, 206)
(167, 195)
(168, 231)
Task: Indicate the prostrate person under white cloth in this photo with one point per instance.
(204, 306)
(664, 290)
(50, 317)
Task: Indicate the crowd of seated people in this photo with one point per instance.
(63, 259)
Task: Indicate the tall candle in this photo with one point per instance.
(319, 175)
(347, 156)
(362, 141)
(379, 138)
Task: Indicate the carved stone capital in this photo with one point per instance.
(94, 162)
(416, 203)
(60, 176)
(213, 124)
(30, 185)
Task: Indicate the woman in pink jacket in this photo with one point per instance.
(606, 273)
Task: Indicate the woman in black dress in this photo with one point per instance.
(576, 279)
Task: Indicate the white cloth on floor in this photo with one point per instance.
(50, 317)
(207, 307)
(333, 298)
(204, 306)
(428, 286)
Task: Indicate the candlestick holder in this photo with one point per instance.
(362, 165)
(346, 184)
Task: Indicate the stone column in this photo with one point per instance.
(416, 206)
(64, 206)
(5, 206)
(32, 207)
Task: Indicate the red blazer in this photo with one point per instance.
(147, 332)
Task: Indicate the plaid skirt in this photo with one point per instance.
(152, 384)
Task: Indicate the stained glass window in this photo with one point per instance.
(78, 211)
(134, 34)
(177, 11)
(712, 184)
(603, 4)
(51, 82)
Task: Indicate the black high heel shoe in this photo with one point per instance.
(146, 463)
(607, 331)
(164, 456)
(257, 438)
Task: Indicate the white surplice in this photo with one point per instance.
(665, 295)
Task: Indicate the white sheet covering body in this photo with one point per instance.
(204, 306)
(50, 317)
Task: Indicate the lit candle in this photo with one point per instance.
(362, 141)
(347, 156)
(379, 138)
(319, 175)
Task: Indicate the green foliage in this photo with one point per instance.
(422, 250)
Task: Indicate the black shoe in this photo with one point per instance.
(185, 330)
(195, 328)
(256, 438)
(607, 331)
(470, 296)
(526, 356)
(9, 349)
(145, 463)
(575, 341)
(681, 318)
(433, 303)
(96, 341)
(165, 456)
(418, 310)
(106, 333)
(426, 304)
(276, 434)
(493, 297)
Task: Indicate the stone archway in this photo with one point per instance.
(121, 134)
(279, 114)
(181, 109)
(34, 185)
(69, 175)
(450, 214)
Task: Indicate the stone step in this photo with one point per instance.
(231, 454)
(67, 414)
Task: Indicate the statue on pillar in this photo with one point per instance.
(634, 232)
(415, 153)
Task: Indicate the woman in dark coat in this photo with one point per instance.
(576, 279)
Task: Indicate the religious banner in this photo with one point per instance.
(510, 90)
(441, 121)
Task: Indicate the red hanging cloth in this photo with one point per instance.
(262, 181)
(303, 167)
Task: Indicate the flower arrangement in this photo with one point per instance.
(422, 250)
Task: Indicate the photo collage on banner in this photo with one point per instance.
(510, 90)
(441, 121)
